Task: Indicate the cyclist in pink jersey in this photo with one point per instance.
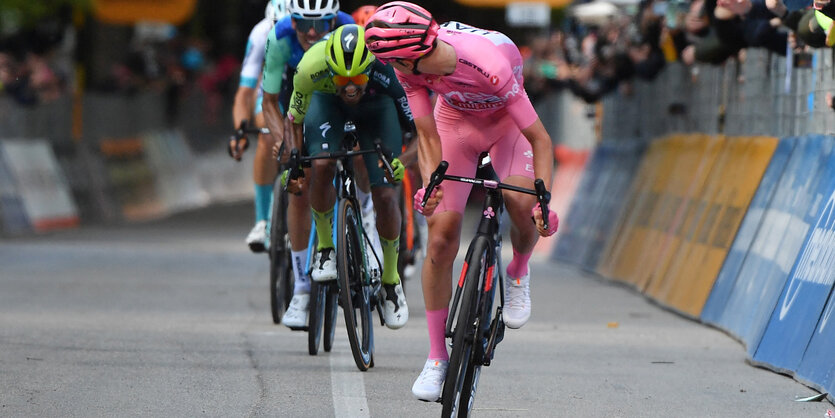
(482, 106)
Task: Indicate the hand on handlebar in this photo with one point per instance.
(431, 203)
(236, 147)
(398, 170)
(553, 221)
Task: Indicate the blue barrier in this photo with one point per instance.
(809, 284)
(572, 230)
(817, 365)
(725, 281)
(776, 244)
(612, 198)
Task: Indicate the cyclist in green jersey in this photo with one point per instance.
(336, 81)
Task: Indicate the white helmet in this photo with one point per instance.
(314, 9)
(276, 9)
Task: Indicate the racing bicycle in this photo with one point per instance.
(475, 322)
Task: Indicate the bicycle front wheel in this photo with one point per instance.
(464, 364)
(331, 308)
(354, 292)
(281, 266)
(316, 314)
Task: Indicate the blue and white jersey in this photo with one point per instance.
(254, 56)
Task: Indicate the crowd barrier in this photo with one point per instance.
(134, 178)
(737, 232)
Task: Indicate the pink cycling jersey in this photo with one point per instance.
(482, 106)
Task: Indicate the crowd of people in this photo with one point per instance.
(594, 57)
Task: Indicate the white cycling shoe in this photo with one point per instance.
(296, 315)
(257, 240)
(324, 265)
(395, 310)
(517, 308)
(429, 384)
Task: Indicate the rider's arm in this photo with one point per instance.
(384, 76)
(429, 146)
(276, 53)
(543, 158)
(244, 103)
(309, 77)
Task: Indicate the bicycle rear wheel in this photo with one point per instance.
(281, 266)
(354, 293)
(464, 361)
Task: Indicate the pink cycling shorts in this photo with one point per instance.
(464, 136)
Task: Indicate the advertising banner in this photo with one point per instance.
(776, 244)
(809, 284)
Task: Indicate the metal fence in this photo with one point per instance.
(759, 95)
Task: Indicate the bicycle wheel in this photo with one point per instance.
(464, 365)
(315, 316)
(281, 266)
(354, 293)
(331, 309)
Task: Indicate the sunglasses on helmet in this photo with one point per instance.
(318, 25)
(342, 81)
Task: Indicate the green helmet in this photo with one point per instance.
(346, 52)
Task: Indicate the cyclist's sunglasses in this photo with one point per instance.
(318, 25)
(342, 81)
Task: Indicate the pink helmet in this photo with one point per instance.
(402, 30)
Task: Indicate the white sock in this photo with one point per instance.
(299, 259)
(366, 203)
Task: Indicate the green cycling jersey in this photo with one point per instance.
(314, 75)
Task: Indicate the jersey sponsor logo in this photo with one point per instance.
(318, 76)
(297, 102)
(473, 101)
(381, 78)
(497, 38)
(404, 106)
(476, 67)
(528, 154)
(494, 80)
(325, 127)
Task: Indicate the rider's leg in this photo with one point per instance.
(322, 134)
(263, 173)
(388, 226)
(298, 225)
(516, 168)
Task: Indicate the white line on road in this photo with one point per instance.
(347, 383)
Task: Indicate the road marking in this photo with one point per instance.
(347, 382)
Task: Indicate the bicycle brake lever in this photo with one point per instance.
(543, 197)
(434, 181)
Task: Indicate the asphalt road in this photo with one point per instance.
(171, 319)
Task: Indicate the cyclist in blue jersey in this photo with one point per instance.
(248, 103)
(309, 21)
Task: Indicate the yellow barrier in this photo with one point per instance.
(727, 194)
(698, 155)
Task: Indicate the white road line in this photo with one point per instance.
(347, 382)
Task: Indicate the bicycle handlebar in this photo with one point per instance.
(243, 130)
(543, 197)
(297, 161)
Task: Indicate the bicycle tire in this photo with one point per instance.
(315, 316)
(281, 266)
(331, 309)
(458, 384)
(354, 292)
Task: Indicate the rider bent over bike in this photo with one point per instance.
(482, 106)
(337, 81)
